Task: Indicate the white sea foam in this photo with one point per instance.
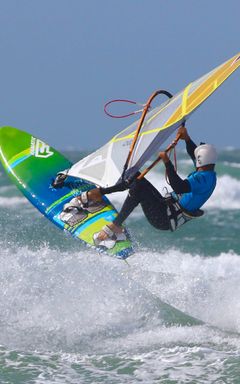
(226, 194)
(230, 164)
(101, 320)
(206, 288)
(7, 188)
(66, 300)
(188, 162)
(12, 202)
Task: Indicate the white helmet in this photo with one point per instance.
(205, 154)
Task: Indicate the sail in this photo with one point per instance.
(105, 166)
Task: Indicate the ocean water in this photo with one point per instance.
(172, 315)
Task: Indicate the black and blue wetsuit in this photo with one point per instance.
(191, 193)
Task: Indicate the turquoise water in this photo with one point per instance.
(68, 315)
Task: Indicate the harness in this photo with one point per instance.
(177, 216)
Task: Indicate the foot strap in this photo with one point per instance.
(84, 199)
(109, 232)
(90, 205)
(74, 203)
(73, 217)
(111, 240)
(58, 182)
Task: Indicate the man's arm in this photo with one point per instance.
(190, 145)
(178, 185)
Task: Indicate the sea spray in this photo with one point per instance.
(70, 315)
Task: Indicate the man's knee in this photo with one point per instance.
(138, 188)
(136, 185)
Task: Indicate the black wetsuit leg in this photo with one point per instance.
(152, 202)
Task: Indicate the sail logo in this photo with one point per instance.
(40, 149)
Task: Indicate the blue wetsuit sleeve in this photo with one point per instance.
(178, 185)
(191, 146)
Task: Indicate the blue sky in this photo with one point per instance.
(61, 60)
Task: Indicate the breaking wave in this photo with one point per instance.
(71, 301)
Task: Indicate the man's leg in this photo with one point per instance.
(140, 192)
(153, 205)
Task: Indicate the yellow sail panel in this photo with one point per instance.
(212, 81)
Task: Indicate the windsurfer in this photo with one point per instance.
(173, 210)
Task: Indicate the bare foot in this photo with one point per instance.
(103, 235)
(94, 195)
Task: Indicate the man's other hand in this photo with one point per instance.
(164, 156)
(183, 133)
